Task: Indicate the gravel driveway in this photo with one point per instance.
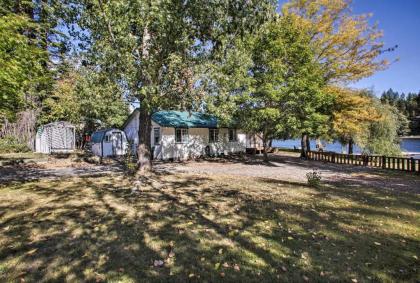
(289, 167)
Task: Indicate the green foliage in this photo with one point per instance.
(85, 97)
(382, 134)
(285, 96)
(10, 144)
(408, 106)
(21, 64)
(155, 50)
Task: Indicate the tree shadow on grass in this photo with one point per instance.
(97, 229)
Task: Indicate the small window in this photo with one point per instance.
(181, 135)
(156, 135)
(107, 138)
(232, 135)
(213, 135)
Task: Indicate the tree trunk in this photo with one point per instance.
(265, 149)
(304, 142)
(351, 142)
(308, 143)
(144, 162)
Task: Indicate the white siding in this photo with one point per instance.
(198, 140)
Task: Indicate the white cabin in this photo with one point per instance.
(177, 135)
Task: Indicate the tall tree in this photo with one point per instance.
(346, 46)
(286, 96)
(382, 134)
(353, 112)
(88, 99)
(153, 47)
(21, 64)
(32, 66)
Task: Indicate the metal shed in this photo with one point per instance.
(55, 137)
(109, 142)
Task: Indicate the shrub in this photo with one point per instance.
(314, 178)
(10, 144)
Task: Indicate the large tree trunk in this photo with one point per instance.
(351, 143)
(308, 143)
(304, 145)
(144, 162)
(265, 148)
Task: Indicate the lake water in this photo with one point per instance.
(411, 145)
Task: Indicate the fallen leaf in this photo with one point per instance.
(377, 243)
(305, 278)
(284, 268)
(220, 251)
(226, 265)
(236, 267)
(222, 274)
(217, 265)
(354, 280)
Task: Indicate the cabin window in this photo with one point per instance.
(181, 135)
(107, 138)
(232, 135)
(156, 135)
(213, 135)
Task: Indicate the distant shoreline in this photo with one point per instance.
(410, 137)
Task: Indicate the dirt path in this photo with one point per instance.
(287, 167)
(53, 168)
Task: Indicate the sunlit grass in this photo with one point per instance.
(212, 229)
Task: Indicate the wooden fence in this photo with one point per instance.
(378, 161)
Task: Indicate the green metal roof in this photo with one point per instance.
(184, 119)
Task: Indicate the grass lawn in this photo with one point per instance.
(187, 227)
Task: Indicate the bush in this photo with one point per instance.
(314, 178)
(10, 144)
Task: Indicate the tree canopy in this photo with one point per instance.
(153, 48)
(21, 64)
(286, 97)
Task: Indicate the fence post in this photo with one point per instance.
(384, 162)
(413, 164)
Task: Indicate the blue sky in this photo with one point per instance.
(400, 22)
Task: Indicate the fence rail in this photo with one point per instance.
(408, 164)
